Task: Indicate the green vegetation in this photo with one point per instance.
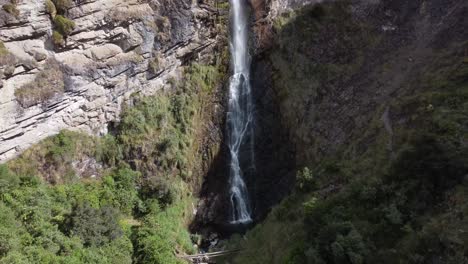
(47, 84)
(203, 76)
(403, 209)
(224, 5)
(59, 153)
(63, 25)
(95, 227)
(383, 197)
(57, 9)
(33, 215)
(135, 207)
(51, 9)
(305, 180)
(57, 38)
(61, 6)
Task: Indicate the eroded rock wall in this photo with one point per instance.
(116, 49)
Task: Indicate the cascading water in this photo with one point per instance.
(240, 115)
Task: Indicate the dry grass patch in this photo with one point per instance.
(6, 58)
(51, 9)
(11, 9)
(45, 86)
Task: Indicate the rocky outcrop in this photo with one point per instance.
(116, 49)
(265, 12)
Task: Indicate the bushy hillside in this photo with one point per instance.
(374, 94)
(122, 198)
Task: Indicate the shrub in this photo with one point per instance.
(7, 179)
(62, 5)
(122, 183)
(64, 25)
(109, 151)
(340, 242)
(203, 77)
(11, 9)
(50, 7)
(305, 179)
(57, 38)
(6, 58)
(95, 227)
(426, 166)
(162, 231)
(3, 49)
(62, 148)
(47, 84)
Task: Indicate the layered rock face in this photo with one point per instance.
(116, 49)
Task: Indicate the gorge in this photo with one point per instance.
(300, 131)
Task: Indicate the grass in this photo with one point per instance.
(152, 207)
(3, 49)
(51, 9)
(47, 84)
(58, 152)
(279, 225)
(57, 38)
(6, 58)
(61, 6)
(63, 25)
(402, 204)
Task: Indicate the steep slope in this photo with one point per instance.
(149, 73)
(372, 96)
(96, 54)
(122, 198)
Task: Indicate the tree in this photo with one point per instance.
(95, 227)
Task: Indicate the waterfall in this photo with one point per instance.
(240, 115)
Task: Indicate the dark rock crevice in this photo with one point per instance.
(273, 176)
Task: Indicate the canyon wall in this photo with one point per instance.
(116, 49)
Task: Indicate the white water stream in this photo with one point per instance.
(240, 114)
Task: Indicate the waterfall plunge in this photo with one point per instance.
(240, 114)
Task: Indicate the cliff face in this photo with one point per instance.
(273, 175)
(116, 48)
(370, 96)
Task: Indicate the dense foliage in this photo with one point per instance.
(122, 198)
(394, 195)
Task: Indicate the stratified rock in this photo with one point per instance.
(104, 60)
